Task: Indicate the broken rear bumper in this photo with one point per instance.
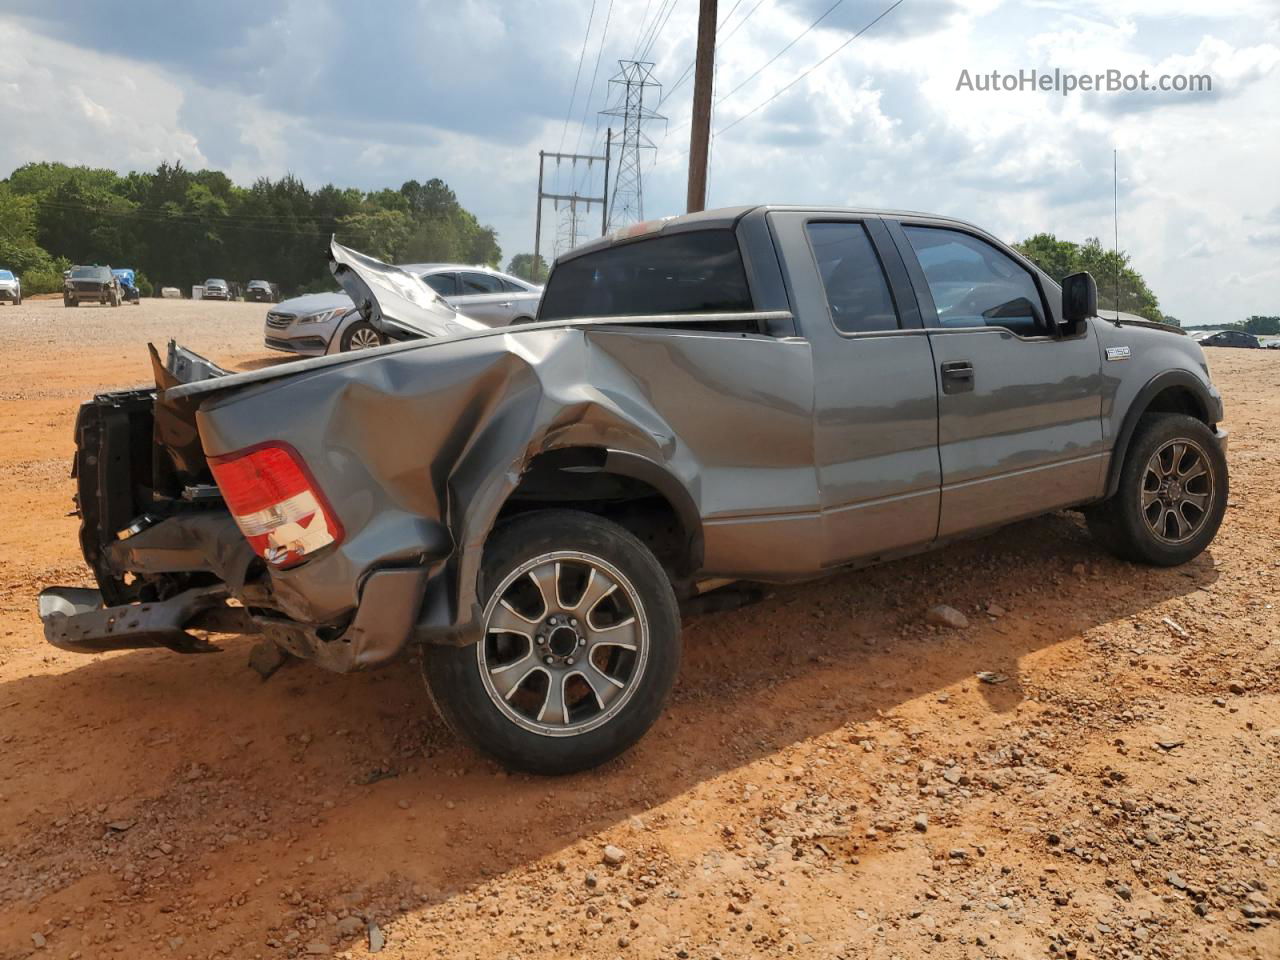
(75, 620)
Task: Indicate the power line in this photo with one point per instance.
(582, 55)
(688, 70)
(185, 220)
(251, 217)
(739, 24)
(769, 100)
(577, 143)
(644, 54)
(774, 58)
(646, 32)
(764, 103)
(195, 219)
(643, 18)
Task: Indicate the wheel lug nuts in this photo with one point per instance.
(548, 660)
(582, 642)
(573, 623)
(569, 661)
(541, 639)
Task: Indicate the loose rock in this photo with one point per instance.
(944, 616)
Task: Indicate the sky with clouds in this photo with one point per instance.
(372, 94)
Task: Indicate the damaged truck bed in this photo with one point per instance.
(754, 394)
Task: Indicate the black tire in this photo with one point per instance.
(113, 298)
(460, 680)
(70, 303)
(1122, 526)
(361, 328)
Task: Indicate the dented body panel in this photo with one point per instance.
(764, 444)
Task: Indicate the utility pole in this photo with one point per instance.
(537, 223)
(700, 132)
(572, 199)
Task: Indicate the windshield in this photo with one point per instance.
(91, 273)
(6, 275)
(259, 284)
(215, 283)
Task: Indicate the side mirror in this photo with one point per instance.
(1079, 297)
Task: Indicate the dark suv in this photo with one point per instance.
(90, 285)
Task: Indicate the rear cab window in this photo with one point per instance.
(853, 278)
(696, 272)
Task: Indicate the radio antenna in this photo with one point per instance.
(1115, 198)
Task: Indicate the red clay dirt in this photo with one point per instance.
(831, 779)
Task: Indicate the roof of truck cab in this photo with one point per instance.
(725, 218)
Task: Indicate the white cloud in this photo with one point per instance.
(66, 103)
(375, 102)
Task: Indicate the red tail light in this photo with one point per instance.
(275, 502)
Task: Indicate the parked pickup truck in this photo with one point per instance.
(753, 394)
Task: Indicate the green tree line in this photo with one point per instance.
(1119, 285)
(179, 226)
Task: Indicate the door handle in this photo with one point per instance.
(506, 304)
(957, 376)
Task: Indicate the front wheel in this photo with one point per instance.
(579, 649)
(1172, 493)
(360, 336)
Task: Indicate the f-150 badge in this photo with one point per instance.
(1117, 353)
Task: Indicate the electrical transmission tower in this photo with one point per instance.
(626, 205)
(569, 228)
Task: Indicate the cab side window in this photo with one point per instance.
(853, 278)
(974, 284)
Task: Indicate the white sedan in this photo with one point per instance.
(321, 323)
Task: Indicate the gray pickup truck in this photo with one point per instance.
(752, 394)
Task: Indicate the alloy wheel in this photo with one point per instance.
(364, 339)
(1177, 491)
(565, 643)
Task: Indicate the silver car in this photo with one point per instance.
(10, 287)
(322, 323)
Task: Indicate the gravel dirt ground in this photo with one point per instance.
(831, 780)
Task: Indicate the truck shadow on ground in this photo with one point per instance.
(352, 785)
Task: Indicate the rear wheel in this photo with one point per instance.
(1172, 493)
(580, 646)
(361, 336)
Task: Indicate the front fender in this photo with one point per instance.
(1205, 396)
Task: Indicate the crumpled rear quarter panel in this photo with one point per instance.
(416, 450)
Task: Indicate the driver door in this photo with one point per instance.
(1019, 407)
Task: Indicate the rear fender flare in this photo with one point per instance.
(451, 608)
